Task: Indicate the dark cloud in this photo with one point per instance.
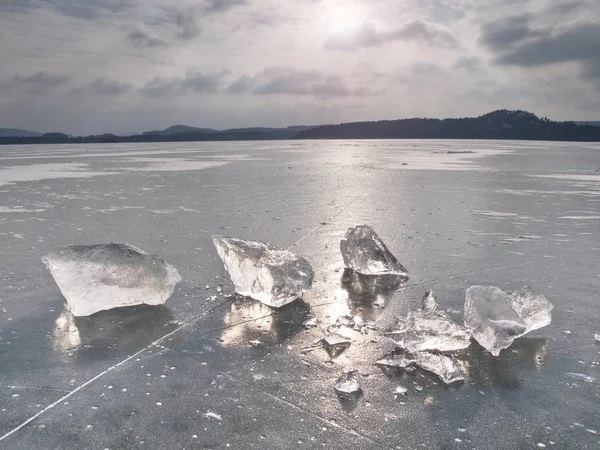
(41, 79)
(242, 85)
(82, 9)
(109, 87)
(568, 7)
(222, 5)
(367, 36)
(470, 64)
(286, 81)
(508, 31)
(187, 24)
(143, 39)
(578, 43)
(422, 68)
(192, 83)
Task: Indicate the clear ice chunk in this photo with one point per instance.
(364, 252)
(349, 383)
(490, 317)
(445, 367)
(429, 329)
(261, 271)
(94, 278)
(534, 308)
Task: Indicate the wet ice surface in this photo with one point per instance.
(308, 194)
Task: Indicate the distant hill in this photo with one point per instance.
(501, 124)
(15, 132)
(593, 123)
(179, 129)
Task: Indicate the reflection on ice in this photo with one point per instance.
(250, 320)
(366, 291)
(119, 331)
(66, 337)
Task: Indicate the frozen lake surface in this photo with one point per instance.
(208, 372)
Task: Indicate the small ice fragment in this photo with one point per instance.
(491, 319)
(94, 278)
(255, 342)
(401, 390)
(348, 383)
(310, 323)
(429, 302)
(567, 332)
(213, 415)
(540, 445)
(429, 329)
(534, 308)
(580, 377)
(597, 337)
(358, 322)
(259, 270)
(418, 388)
(445, 367)
(336, 343)
(364, 252)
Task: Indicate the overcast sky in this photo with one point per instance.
(92, 66)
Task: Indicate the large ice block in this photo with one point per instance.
(490, 317)
(261, 271)
(98, 277)
(429, 329)
(364, 252)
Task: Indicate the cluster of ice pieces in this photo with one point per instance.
(493, 317)
(277, 277)
(98, 277)
(94, 278)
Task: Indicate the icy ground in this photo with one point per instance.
(207, 370)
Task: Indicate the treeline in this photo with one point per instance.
(501, 124)
(233, 135)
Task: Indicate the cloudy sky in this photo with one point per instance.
(92, 66)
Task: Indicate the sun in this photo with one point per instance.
(342, 20)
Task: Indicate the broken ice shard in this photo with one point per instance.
(261, 271)
(534, 308)
(364, 252)
(491, 318)
(401, 360)
(429, 329)
(445, 367)
(99, 277)
(349, 383)
(429, 302)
